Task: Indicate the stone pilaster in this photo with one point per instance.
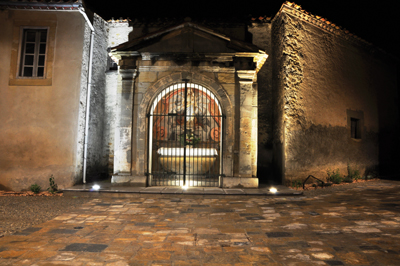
(247, 122)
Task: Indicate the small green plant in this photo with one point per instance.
(35, 188)
(352, 174)
(53, 186)
(296, 183)
(334, 176)
(348, 179)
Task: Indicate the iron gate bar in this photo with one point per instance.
(203, 172)
(184, 132)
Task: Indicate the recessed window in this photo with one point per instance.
(33, 53)
(355, 124)
(355, 128)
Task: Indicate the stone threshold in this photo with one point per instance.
(108, 189)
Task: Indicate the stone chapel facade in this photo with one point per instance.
(197, 103)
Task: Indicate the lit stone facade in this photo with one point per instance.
(297, 94)
(230, 74)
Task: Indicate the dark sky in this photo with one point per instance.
(375, 22)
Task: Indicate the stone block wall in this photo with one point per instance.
(97, 159)
(324, 80)
(118, 32)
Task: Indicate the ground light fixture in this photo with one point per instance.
(273, 190)
(185, 187)
(95, 187)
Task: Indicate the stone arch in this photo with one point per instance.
(213, 85)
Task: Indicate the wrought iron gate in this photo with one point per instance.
(185, 137)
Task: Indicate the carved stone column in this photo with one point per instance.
(123, 131)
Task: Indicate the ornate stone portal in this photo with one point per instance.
(187, 109)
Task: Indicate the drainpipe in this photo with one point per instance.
(89, 86)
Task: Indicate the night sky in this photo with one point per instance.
(375, 22)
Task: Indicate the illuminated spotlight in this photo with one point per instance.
(185, 187)
(96, 187)
(273, 190)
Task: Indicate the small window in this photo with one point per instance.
(33, 53)
(355, 124)
(355, 128)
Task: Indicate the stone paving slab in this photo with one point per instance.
(233, 191)
(172, 190)
(360, 226)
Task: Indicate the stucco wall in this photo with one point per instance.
(324, 80)
(38, 136)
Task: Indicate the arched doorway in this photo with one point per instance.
(185, 137)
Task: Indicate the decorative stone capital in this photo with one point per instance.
(146, 56)
(246, 75)
(128, 74)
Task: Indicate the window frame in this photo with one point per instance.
(36, 53)
(19, 26)
(357, 117)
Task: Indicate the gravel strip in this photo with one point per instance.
(18, 213)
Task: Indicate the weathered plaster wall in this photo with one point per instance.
(261, 35)
(38, 136)
(97, 160)
(323, 80)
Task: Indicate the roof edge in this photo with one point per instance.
(325, 25)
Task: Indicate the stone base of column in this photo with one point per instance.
(240, 182)
(129, 180)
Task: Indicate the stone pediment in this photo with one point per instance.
(186, 38)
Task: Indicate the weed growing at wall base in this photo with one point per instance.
(334, 176)
(53, 186)
(35, 188)
(353, 174)
(297, 183)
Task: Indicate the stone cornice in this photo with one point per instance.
(212, 69)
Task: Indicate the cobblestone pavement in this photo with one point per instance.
(359, 226)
